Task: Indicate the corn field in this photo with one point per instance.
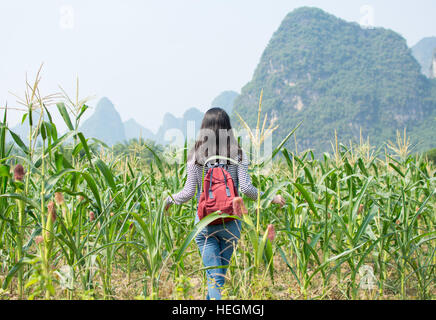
(79, 222)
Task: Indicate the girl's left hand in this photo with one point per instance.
(279, 200)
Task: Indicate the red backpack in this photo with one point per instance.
(218, 193)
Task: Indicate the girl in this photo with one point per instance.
(216, 242)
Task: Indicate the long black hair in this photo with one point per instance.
(216, 124)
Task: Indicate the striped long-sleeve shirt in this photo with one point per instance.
(239, 173)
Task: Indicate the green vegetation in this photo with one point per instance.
(431, 155)
(335, 75)
(79, 221)
(143, 150)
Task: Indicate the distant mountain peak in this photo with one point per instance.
(423, 52)
(225, 100)
(192, 113)
(134, 130)
(105, 105)
(433, 66)
(104, 124)
(333, 74)
(308, 12)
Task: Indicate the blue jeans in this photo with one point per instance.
(216, 244)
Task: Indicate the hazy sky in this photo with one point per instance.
(155, 56)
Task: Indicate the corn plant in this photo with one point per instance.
(76, 217)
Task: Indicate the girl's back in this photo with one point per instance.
(196, 172)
